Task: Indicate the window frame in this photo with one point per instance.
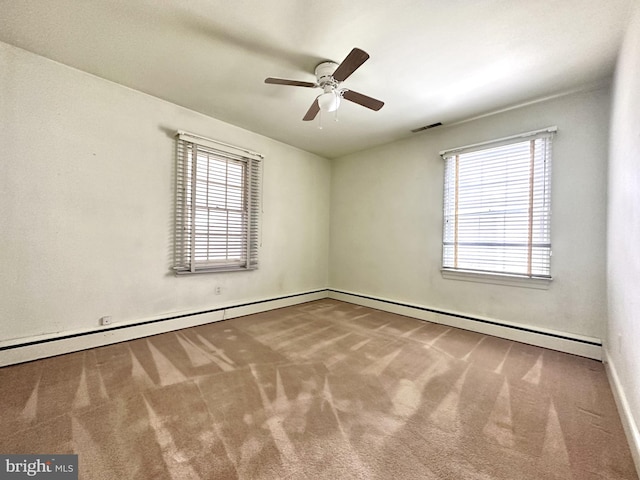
(493, 276)
(207, 211)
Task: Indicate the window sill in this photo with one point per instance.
(181, 271)
(497, 279)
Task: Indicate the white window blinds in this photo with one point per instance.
(497, 207)
(217, 209)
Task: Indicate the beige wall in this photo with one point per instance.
(86, 202)
(623, 269)
(386, 220)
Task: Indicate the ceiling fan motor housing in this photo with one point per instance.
(324, 73)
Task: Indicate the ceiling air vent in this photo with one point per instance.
(416, 130)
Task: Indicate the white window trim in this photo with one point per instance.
(507, 279)
(540, 283)
(497, 142)
(184, 263)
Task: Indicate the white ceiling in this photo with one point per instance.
(431, 60)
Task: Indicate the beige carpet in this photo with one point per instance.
(323, 390)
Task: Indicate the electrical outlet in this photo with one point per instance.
(106, 320)
(218, 290)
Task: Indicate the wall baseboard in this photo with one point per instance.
(28, 349)
(555, 340)
(631, 428)
(33, 348)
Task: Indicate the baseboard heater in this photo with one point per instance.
(51, 345)
(57, 344)
(584, 346)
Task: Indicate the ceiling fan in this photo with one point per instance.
(329, 76)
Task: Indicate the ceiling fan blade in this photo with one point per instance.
(350, 64)
(363, 100)
(293, 83)
(312, 112)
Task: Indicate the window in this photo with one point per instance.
(217, 208)
(497, 207)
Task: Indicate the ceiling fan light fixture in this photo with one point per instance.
(329, 101)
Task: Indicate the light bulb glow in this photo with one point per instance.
(329, 101)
